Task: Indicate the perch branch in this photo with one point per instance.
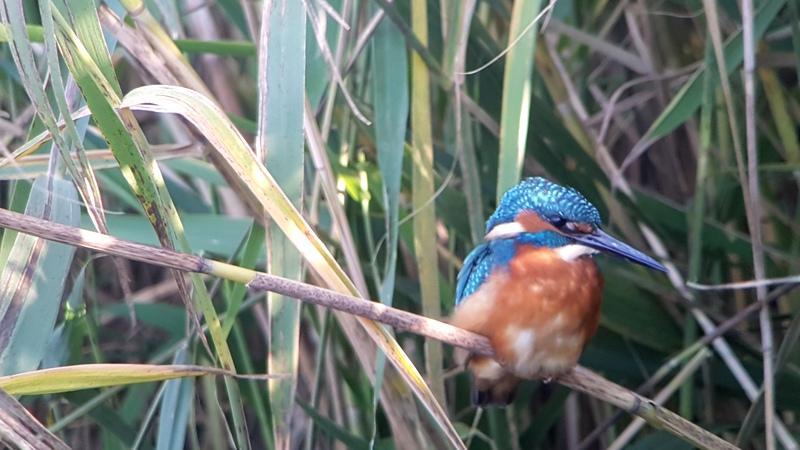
(579, 378)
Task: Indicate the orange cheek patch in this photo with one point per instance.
(533, 223)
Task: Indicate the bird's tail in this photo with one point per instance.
(491, 384)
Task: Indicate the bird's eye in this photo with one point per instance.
(570, 227)
(558, 221)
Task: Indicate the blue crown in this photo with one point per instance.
(551, 201)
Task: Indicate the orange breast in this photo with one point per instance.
(539, 313)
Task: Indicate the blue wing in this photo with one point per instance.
(476, 268)
(479, 264)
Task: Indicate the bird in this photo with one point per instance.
(533, 288)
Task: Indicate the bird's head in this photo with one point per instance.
(559, 217)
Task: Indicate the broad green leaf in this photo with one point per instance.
(168, 318)
(174, 411)
(197, 169)
(390, 97)
(18, 199)
(207, 233)
(279, 141)
(86, 26)
(629, 313)
(251, 253)
(33, 280)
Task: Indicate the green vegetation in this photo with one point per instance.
(360, 146)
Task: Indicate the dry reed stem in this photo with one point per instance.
(19, 429)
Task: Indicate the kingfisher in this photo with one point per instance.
(533, 288)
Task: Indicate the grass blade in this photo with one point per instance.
(390, 94)
(90, 376)
(33, 280)
(390, 97)
(517, 84)
(175, 406)
(279, 143)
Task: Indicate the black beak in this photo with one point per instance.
(600, 240)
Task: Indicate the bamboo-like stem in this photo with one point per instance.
(579, 378)
(752, 192)
(421, 192)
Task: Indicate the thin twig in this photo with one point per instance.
(791, 279)
(514, 42)
(363, 40)
(600, 46)
(322, 43)
(579, 378)
(330, 98)
(754, 219)
(334, 14)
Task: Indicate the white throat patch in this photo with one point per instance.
(572, 252)
(504, 230)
